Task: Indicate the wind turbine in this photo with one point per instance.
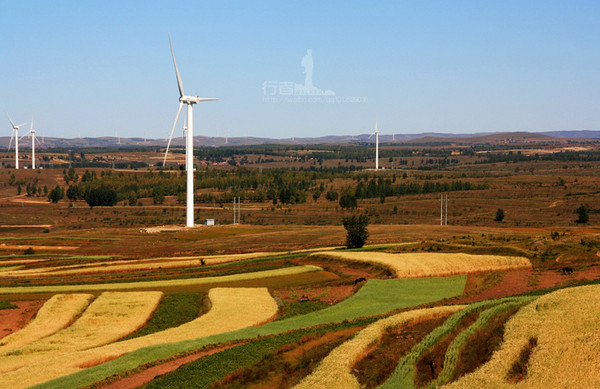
(16, 136)
(376, 133)
(189, 144)
(33, 140)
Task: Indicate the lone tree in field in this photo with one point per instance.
(101, 196)
(356, 226)
(56, 194)
(583, 214)
(499, 215)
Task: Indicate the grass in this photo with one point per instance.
(403, 376)
(567, 327)
(205, 371)
(60, 237)
(374, 298)
(174, 309)
(159, 284)
(435, 265)
(56, 313)
(292, 309)
(335, 369)
(7, 305)
(518, 370)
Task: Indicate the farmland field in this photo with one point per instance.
(123, 295)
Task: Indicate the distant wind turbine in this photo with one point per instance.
(33, 140)
(376, 133)
(189, 147)
(15, 134)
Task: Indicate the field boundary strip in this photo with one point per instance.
(286, 271)
(56, 313)
(335, 369)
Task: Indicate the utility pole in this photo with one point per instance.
(443, 209)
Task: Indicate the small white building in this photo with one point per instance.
(209, 222)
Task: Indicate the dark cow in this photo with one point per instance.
(303, 299)
(359, 280)
(567, 271)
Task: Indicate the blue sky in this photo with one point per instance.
(96, 68)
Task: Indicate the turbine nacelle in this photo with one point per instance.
(195, 99)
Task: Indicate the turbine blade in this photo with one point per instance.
(179, 83)
(31, 127)
(10, 120)
(207, 99)
(11, 139)
(27, 133)
(172, 131)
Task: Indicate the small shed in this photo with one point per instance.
(209, 222)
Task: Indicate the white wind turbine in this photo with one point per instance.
(33, 140)
(189, 144)
(376, 133)
(15, 134)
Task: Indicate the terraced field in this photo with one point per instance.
(434, 265)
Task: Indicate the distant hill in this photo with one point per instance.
(427, 137)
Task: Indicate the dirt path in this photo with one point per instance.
(4, 246)
(142, 378)
(12, 320)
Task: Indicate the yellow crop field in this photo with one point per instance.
(566, 324)
(335, 370)
(110, 317)
(56, 313)
(160, 284)
(232, 309)
(415, 265)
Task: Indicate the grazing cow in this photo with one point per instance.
(567, 270)
(359, 280)
(303, 299)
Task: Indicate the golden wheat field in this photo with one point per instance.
(415, 265)
(232, 309)
(56, 313)
(566, 324)
(335, 369)
(110, 317)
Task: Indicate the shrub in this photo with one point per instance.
(356, 227)
(29, 251)
(583, 214)
(56, 194)
(499, 215)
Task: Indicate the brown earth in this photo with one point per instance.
(521, 281)
(142, 378)
(12, 320)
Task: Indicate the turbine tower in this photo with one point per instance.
(189, 144)
(15, 134)
(376, 133)
(33, 140)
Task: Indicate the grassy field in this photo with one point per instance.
(376, 297)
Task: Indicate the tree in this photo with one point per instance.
(332, 195)
(348, 201)
(499, 215)
(101, 196)
(583, 214)
(356, 227)
(56, 194)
